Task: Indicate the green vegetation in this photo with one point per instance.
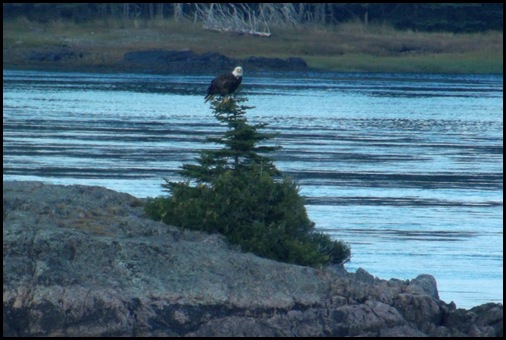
(237, 191)
(471, 63)
(357, 45)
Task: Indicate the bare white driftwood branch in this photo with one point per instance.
(237, 18)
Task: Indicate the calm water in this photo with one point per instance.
(408, 169)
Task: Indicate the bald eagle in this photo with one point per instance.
(225, 84)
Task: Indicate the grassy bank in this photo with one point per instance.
(348, 47)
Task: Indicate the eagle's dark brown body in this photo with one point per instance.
(225, 84)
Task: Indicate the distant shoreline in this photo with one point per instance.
(111, 69)
(102, 47)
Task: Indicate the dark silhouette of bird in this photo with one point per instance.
(225, 84)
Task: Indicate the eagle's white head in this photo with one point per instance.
(237, 72)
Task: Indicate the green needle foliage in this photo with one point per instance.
(238, 191)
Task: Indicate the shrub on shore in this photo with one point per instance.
(238, 192)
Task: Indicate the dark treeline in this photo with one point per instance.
(452, 17)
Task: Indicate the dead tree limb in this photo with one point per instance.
(237, 18)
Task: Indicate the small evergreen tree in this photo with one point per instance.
(238, 191)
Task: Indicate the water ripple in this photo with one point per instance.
(406, 168)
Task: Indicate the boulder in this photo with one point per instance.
(185, 61)
(85, 261)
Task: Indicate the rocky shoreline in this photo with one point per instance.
(85, 261)
(156, 61)
(187, 61)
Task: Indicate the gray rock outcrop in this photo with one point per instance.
(187, 61)
(85, 261)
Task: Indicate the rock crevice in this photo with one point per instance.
(85, 261)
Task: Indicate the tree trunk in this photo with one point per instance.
(178, 11)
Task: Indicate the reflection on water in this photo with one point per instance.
(405, 168)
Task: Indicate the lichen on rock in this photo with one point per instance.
(85, 261)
